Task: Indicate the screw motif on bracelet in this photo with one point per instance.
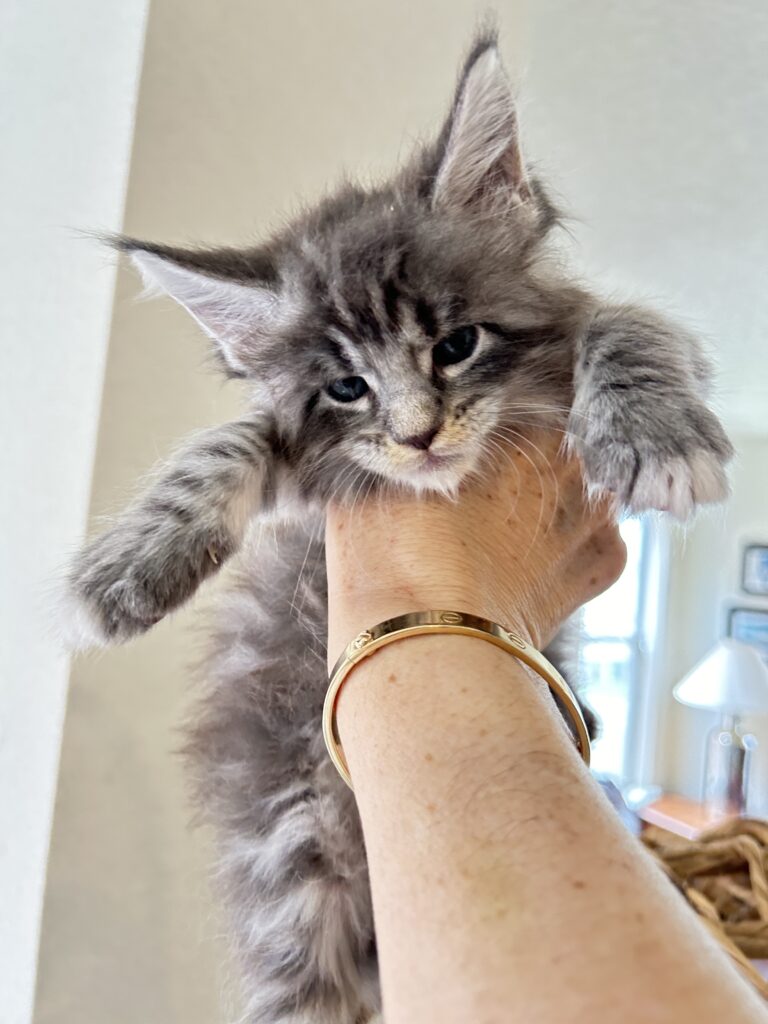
(369, 641)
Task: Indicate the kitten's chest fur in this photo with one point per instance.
(270, 617)
(292, 857)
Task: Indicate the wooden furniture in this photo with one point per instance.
(683, 817)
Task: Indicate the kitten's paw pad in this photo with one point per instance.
(642, 479)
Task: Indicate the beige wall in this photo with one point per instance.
(244, 108)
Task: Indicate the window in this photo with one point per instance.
(612, 651)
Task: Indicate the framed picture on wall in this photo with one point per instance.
(750, 625)
(754, 569)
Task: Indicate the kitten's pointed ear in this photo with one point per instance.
(478, 152)
(237, 314)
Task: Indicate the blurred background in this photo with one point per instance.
(191, 121)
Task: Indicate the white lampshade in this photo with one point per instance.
(732, 678)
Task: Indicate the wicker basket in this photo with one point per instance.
(724, 876)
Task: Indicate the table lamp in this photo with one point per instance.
(732, 680)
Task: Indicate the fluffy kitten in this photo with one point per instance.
(388, 337)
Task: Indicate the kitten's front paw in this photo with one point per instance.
(106, 600)
(76, 622)
(671, 467)
(89, 620)
(642, 479)
(126, 580)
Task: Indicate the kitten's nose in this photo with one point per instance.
(420, 441)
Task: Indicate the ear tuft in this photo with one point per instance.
(479, 156)
(237, 314)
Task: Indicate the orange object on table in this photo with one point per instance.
(683, 817)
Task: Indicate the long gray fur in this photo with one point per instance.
(367, 284)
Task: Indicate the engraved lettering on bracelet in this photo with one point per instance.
(451, 618)
(361, 640)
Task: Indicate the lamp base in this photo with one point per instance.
(726, 766)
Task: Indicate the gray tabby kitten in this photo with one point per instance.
(389, 337)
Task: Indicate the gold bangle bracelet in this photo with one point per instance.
(424, 623)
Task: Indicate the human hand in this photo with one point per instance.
(521, 545)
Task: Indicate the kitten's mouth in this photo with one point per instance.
(430, 469)
(432, 460)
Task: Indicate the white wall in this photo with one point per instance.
(647, 117)
(705, 582)
(644, 116)
(68, 76)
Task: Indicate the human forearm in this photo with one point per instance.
(496, 865)
(431, 767)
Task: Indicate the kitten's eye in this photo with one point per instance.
(456, 347)
(349, 389)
